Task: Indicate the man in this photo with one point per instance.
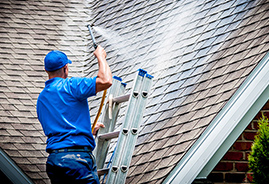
(63, 112)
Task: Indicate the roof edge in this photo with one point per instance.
(11, 170)
(244, 100)
(238, 130)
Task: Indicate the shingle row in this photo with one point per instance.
(30, 29)
(199, 52)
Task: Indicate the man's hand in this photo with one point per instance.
(100, 53)
(97, 126)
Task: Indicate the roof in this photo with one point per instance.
(225, 128)
(200, 53)
(29, 30)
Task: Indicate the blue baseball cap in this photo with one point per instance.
(55, 60)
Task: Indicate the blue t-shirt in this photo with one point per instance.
(63, 111)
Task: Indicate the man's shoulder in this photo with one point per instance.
(83, 87)
(80, 79)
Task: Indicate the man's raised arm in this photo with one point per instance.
(104, 75)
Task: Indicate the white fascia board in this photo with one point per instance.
(222, 126)
(12, 171)
(240, 127)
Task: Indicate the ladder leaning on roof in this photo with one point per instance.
(127, 136)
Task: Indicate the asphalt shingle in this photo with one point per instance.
(199, 52)
(198, 60)
(30, 29)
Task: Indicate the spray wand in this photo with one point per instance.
(93, 39)
(104, 93)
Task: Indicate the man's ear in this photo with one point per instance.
(66, 70)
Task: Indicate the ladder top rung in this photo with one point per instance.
(120, 99)
(110, 135)
(103, 171)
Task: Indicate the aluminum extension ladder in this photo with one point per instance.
(127, 136)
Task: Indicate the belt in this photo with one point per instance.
(82, 149)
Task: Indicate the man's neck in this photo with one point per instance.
(60, 76)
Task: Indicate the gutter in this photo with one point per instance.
(225, 127)
(12, 171)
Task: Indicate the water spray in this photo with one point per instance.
(91, 33)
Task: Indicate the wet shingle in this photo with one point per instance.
(28, 31)
(199, 52)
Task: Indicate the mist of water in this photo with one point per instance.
(119, 43)
(158, 54)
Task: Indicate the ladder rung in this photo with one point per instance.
(110, 135)
(103, 171)
(122, 98)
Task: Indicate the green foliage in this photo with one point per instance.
(259, 156)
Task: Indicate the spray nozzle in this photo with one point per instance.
(92, 36)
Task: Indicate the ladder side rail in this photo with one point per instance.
(114, 90)
(105, 138)
(125, 128)
(101, 145)
(132, 137)
(116, 110)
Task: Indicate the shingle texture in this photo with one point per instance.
(29, 30)
(199, 52)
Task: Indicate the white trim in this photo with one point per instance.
(12, 171)
(241, 126)
(223, 125)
